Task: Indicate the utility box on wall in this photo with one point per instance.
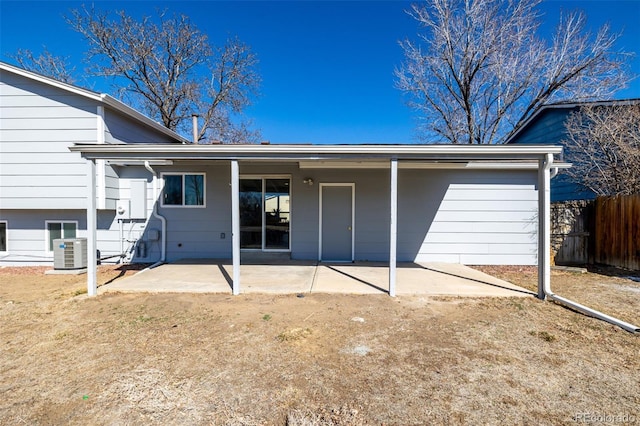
(123, 209)
(139, 199)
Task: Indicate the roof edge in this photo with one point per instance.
(570, 105)
(102, 98)
(137, 115)
(316, 152)
(50, 81)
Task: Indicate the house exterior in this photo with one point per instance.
(414, 203)
(547, 126)
(78, 163)
(42, 183)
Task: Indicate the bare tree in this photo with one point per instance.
(168, 68)
(479, 70)
(46, 64)
(603, 143)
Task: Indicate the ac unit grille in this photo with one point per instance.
(70, 253)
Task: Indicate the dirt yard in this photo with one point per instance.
(176, 359)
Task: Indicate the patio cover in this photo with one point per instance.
(393, 157)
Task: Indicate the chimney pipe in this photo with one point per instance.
(194, 119)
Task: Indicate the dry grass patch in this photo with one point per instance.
(175, 359)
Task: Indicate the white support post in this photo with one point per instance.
(393, 235)
(92, 261)
(544, 223)
(235, 225)
(101, 177)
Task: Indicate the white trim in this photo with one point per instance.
(426, 164)
(47, 234)
(104, 98)
(235, 226)
(544, 227)
(316, 152)
(101, 178)
(183, 205)
(343, 164)
(353, 218)
(92, 233)
(6, 236)
(393, 221)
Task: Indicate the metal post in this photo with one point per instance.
(393, 235)
(235, 225)
(544, 225)
(92, 261)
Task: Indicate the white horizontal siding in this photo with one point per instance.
(42, 147)
(45, 181)
(49, 123)
(34, 100)
(474, 259)
(38, 123)
(489, 205)
(44, 112)
(43, 203)
(59, 135)
(480, 237)
(514, 215)
(504, 192)
(492, 228)
(473, 217)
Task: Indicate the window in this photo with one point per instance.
(183, 190)
(60, 229)
(3, 236)
(264, 213)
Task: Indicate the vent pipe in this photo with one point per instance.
(194, 120)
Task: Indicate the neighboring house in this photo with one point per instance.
(42, 184)
(547, 127)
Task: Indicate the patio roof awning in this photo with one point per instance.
(316, 153)
(545, 159)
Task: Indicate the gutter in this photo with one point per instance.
(548, 293)
(162, 219)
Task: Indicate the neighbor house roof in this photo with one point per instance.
(568, 105)
(101, 98)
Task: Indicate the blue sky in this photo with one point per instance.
(327, 66)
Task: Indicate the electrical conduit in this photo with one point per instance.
(162, 219)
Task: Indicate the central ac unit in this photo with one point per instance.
(70, 253)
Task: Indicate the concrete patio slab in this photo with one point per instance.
(214, 276)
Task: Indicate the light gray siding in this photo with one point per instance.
(469, 217)
(122, 129)
(37, 125)
(196, 232)
(40, 179)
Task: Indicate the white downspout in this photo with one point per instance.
(548, 166)
(162, 219)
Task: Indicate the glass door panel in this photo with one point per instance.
(276, 213)
(251, 213)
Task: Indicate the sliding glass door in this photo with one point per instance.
(265, 213)
(251, 213)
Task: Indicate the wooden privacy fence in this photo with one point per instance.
(617, 231)
(603, 231)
